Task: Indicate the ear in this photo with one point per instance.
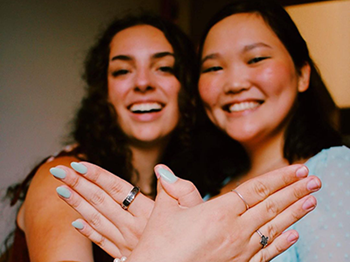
(304, 78)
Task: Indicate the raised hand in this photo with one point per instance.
(223, 229)
(98, 196)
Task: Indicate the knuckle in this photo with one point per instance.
(101, 241)
(272, 232)
(75, 182)
(97, 199)
(95, 220)
(271, 207)
(298, 192)
(75, 202)
(116, 188)
(261, 190)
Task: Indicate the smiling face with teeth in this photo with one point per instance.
(248, 80)
(141, 84)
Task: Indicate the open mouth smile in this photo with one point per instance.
(242, 106)
(144, 108)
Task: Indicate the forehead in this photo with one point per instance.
(140, 38)
(239, 30)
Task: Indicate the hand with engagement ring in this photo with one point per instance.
(274, 200)
(228, 227)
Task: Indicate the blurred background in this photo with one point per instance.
(43, 44)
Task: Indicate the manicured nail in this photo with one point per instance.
(77, 224)
(309, 204)
(64, 192)
(313, 185)
(58, 172)
(292, 238)
(80, 168)
(167, 175)
(302, 172)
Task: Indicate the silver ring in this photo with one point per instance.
(241, 197)
(130, 197)
(122, 259)
(263, 240)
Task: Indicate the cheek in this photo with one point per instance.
(116, 93)
(207, 91)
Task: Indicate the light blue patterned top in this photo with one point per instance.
(325, 232)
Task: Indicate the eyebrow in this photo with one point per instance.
(245, 49)
(255, 45)
(208, 57)
(130, 58)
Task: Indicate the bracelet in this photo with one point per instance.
(122, 259)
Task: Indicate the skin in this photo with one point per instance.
(243, 61)
(249, 84)
(140, 70)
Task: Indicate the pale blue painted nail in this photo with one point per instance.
(58, 172)
(64, 192)
(78, 224)
(167, 175)
(80, 168)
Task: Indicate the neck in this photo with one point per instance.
(143, 160)
(266, 156)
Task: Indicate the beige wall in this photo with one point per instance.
(326, 28)
(42, 46)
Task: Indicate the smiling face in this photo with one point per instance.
(248, 81)
(141, 83)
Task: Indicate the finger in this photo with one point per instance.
(94, 197)
(163, 200)
(277, 247)
(86, 230)
(184, 191)
(116, 187)
(91, 215)
(96, 183)
(281, 200)
(259, 188)
(288, 217)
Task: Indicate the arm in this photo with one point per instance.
(46, 221)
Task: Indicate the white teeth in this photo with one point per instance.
(145, 107)
(243, 106)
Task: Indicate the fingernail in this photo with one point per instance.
(80, 168)
(309, 204)
(77, 224)
(58, 172)
(64, 192)
(167, 175)
(292, 238)
(302, 172)
(313, 185)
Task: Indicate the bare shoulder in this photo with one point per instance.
(44, 214)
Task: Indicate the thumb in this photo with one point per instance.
(182, 190)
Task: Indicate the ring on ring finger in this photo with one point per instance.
(130, 198)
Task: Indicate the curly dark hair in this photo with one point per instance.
(311, 127)
(96, 131)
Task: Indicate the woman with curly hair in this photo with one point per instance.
(137, 112)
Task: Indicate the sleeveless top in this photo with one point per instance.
(18, 252)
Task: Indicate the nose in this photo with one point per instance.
(143, 81)
(237, 80)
